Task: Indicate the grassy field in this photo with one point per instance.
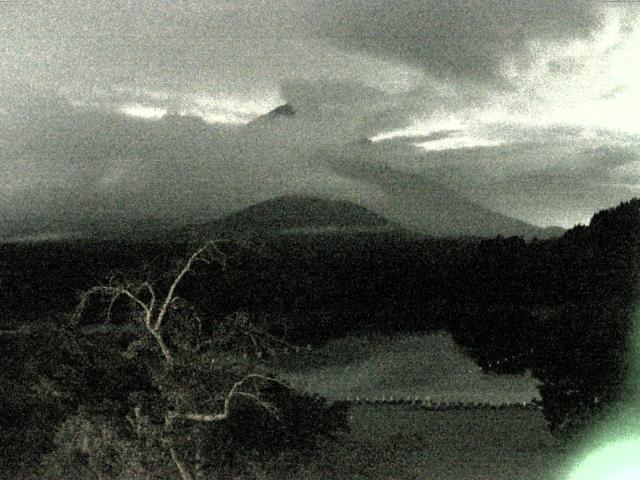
(398, 443)
(402, 366)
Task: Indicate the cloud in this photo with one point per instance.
(546, 176)
(551, 177)
(434, 136)
(564, 65)
(467, 41)
(166, 53)
(71, 168)
(338, 111)
(141, 111)
(614, 92)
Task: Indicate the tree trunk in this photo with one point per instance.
(163, 346)
(184, 472)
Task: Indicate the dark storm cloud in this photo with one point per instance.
(342, 111)
(88, 48)
(249, 46)
(554, 198)
(167, 43)
(560, 181)
(466, 40)
(564, 65)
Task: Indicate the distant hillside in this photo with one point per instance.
(551, 232)
(417, 203)
(427, 207)
(291, 214)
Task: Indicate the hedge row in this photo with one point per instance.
(426, 404)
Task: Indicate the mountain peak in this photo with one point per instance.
(281, 112)
(285, 110)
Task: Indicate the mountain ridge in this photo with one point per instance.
(413, 201)
(307, 214)
(295, 214)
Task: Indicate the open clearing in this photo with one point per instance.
(402, 366)
(400, 443)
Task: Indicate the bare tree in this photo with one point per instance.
(143, 296)
(150, 310)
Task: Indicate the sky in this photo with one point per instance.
(124, 111)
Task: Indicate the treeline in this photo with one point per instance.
(324, 285)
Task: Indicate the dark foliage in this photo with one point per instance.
(584, 364)
(42, 380)
(84, 402)
(254, 435)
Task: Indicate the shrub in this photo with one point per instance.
(42, 380)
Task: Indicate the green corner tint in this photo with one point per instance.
(614, 461)
(613, 449)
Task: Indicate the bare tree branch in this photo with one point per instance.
(152, 321)
(111, 292)
(182, 468)
(183, 271)
(239, 383)
(166, 352)
(198, 417)
(143, 296)
(152, 293)
(216, 417)
(184, 472)
(110, 307)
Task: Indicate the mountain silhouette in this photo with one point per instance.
(294, 214)
(413, 201)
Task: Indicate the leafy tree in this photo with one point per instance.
(585, 364)
(562, 309)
